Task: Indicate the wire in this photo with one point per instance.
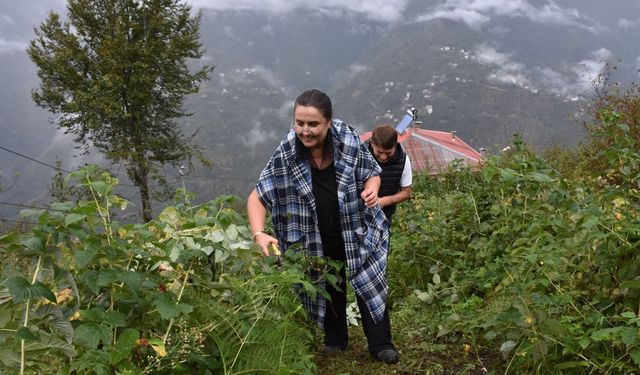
(128, 185)
(45, 164)
(33, 207)
(32, 159)
(16, 221)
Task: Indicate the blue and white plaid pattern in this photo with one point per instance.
(285, 189)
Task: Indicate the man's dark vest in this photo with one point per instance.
(390, 177)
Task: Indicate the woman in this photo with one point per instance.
(321, 187)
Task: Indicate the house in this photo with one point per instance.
(432, 151)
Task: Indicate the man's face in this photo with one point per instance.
(383, 155)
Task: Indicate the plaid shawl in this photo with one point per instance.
(285, 189)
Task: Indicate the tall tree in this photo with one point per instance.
(116, 73)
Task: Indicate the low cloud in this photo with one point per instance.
(476, 13)
(592, 67)
(379, 10)
(628, 24)
(351, 72)
(574, 79)
(257, 136)
(12, 45)
(506, 69)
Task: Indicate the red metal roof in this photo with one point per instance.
(433, 151)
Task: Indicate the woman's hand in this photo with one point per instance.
(264, 241)
(370, 191)
(370, 196)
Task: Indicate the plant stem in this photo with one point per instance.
(26, 315)
(104, 216)
(475, 207)
(184, 284)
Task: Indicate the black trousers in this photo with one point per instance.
(335, 321)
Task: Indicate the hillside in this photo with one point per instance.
(512, 73)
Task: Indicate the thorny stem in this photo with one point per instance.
(26, 316)
(104, 216)
(184, 284)
(475, 207)
(557, 288)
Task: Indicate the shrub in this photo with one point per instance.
(186, 293)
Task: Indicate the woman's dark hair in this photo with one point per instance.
(317, 99)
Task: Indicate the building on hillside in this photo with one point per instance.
(432, 151)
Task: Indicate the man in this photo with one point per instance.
(396, 173)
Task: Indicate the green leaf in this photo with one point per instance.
(539, 177)
(584, 342)
(35, 244)
(91, 334)
(49, 342)
(84, 257)
(114, 318)
(107, 277)
(590, 223)
(126, 342)
(507, 174)
(490, 335)
(221, 255)
(62, 206)
(630, 284)
(73, 218)
(62, 327)
(423, 296)
(5, 317)
(95, 315)
(436, 278)
(9, 358)
(571, 364)
(207, 250)
(91, 281)
(21, 290)
(132, 278)
(24, 333)
(232, 232)
(629, 336)
(29, 212)
(507, 347)
(605, 334)
(628, 314)
(100, 187)
(170, 309)
(624, 128)
(215, 236)
(635, 355)
(170, 216)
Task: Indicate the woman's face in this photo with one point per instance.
(310, 126)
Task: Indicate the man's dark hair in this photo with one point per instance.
(317, 99)
(384, 136)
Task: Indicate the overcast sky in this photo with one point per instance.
(18, 17)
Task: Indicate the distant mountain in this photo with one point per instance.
(431, 66)
(486, 76)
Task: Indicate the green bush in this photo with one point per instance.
(524, 261)
(186, 293)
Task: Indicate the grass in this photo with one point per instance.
(420, 353)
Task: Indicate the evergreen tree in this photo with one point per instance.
(116, 73)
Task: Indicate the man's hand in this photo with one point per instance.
(383, 202)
